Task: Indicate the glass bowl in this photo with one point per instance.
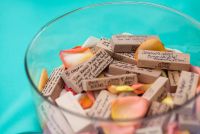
(175, 29)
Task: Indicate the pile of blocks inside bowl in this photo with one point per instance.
(121, 78)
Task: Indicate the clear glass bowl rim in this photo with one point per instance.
(189, 18)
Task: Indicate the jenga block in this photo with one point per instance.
(127, 43)
(163, 60)
(103, 83)
(124, 57)
(54, 119)
(91, 69)
(68, 72)
(78, 124)
(187, 86)
(54, 84)
(102, 106)
(173, 80)
(157, 108)
(105, 44)
(158, 90)
(150, 130)
(189, 122)
(144, 75)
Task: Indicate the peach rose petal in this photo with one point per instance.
(150, 44)
(113, 128)
(138, 91)
(85, 101)
(68, 89)
(182, 132)
(172, 128)
(140, 88)
(75, 56)
(195, 69)
(43, 80)
(168, 100)
(90, 95)
(120, 88)
(130, 107)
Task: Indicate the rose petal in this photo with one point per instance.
(139, 92)
(140, 88)
(43, 80)
(172, 127)
(90, 95)
(77, 49)
(114, 128)
(68, 89)
(75, 56)
(195, 69)
(85, 101)
(136, 86)
(168, 100)
(91, 42)
(150, 44)
(129, 107)
(121, 88)
(182, 132)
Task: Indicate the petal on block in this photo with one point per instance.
(153, 44)
(120, 88)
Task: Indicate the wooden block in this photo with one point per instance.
(67, 73)
(103, 83)
(163, 60)
(54, 119)
(187, 86)
(78, 124)
(150, 130)
(189, 122)
(102, 106)
(173, 80)
(157, 108)
(144, 75)
(124, 57)
(91, 69)
(106, 74)
(127, 43)
(158, 90)
(105, 44)
(55, 84)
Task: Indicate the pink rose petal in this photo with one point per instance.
(130, 107)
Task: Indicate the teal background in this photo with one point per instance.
(19, 22)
